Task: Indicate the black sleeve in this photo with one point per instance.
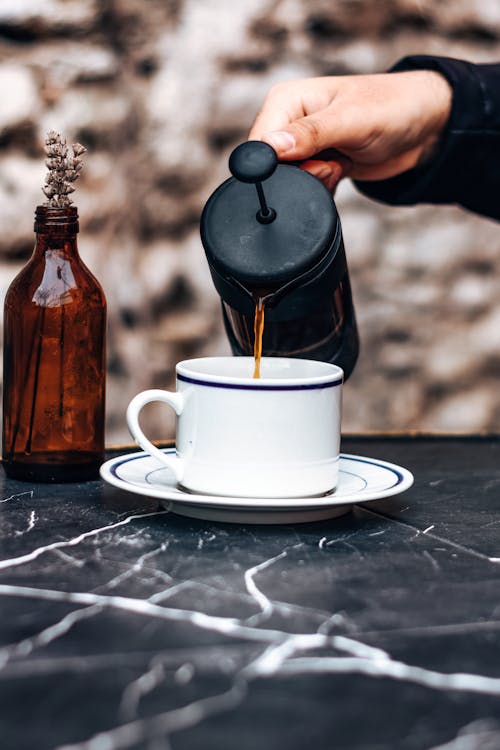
(466, 166)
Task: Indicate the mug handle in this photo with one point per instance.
(173, 399)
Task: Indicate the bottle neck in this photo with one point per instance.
(56, 229)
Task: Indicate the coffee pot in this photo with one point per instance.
(273, 240)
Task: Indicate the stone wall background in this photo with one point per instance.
(160, 91)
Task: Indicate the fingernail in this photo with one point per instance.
(280, 140)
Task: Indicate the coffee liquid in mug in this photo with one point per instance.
(258, 328)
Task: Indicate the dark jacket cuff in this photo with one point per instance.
(465, 167)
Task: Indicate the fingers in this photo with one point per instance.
(285, 104)
(301, 118)
(272, 117)
(300, 139)
(329, 172)
(386, 123)
(332, 127)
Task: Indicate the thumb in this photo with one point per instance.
(303, 138)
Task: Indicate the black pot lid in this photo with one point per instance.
(269, 223)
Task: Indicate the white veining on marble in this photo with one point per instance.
(457, 681)
(103, 661)
(359, 649)
(143, 685)
(149, 681)
(31, 524)
(224, 625)
(280, 656)
(264, 603)
(43, 638)
(435, 537)
(69, 558)
(279, 651)
(286, 608)
(337, 619)
(136, 539)
(162, 596)
(425, 630)
(201, 541)
(184, 674)
(483, 734)
(136, 567)
(365, 659)
(148, 729)
(19, 494)
(342, 539)
(491, 523)
(270, 662)
(432, 561)
(30, 556)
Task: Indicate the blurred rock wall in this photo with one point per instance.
(160, 91)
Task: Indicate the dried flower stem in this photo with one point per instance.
(63, 170)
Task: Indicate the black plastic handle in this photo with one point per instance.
(253, 162)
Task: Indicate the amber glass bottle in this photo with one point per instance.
(54, 359)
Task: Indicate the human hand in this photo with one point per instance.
(369, 127)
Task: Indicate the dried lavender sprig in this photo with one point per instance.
(63, 169)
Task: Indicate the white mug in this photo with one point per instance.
(273, 436)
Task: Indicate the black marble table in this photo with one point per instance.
(125, 626)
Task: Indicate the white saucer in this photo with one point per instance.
(360, 480)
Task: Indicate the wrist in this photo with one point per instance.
(438, 108)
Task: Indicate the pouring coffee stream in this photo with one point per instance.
(273, 241)
(258, 328)
(253, 166)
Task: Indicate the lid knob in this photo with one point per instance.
(253, 162)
